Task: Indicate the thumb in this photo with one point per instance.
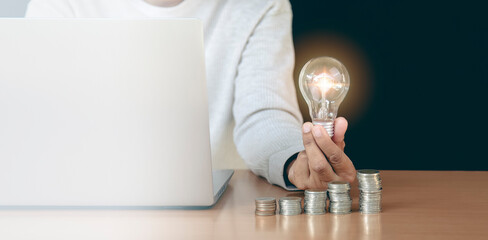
(340, 128)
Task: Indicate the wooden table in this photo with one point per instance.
(417, 205)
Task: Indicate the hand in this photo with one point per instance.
(323, 159)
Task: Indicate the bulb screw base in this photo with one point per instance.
(329, 126)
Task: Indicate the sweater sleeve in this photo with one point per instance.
(268, 120)
(49, 9)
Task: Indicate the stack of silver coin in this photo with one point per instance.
(370, 191)
(340, 200)
(290, 205)
(315, 202)
(265, 206)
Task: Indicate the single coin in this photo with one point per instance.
(265, 199)
(368, 171)
(290, 199)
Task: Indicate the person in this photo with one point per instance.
(252, 101)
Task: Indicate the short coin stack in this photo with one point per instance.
(265, 206)
(315, 202)
(370, 191)
(340, 200)
(290, 205)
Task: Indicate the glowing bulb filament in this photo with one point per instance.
(325, 82)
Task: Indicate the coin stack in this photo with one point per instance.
(290, 205)
(315, 202)
(265, 206)
(370, 191)
(340, 200)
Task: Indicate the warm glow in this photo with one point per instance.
(325, 82)
(316, 44)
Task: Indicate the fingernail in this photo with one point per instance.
(306, 127)
(316, 131)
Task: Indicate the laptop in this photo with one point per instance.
(105, 113)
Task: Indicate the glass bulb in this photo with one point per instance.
(324, 83)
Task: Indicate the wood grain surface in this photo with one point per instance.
(416, 205)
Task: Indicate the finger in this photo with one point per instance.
(341, 164)
(340, 128)
(299, 172)
(320, 169)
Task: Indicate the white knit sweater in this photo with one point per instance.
(250, 60)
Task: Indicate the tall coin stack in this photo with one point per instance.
(370, 191)
(315, 202)
(265, 206)
(340, 200)
(290, 205)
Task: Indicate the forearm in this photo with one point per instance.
(267, 140)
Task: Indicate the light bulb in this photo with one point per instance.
(324, 83)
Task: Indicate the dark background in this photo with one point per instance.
(418, 78)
